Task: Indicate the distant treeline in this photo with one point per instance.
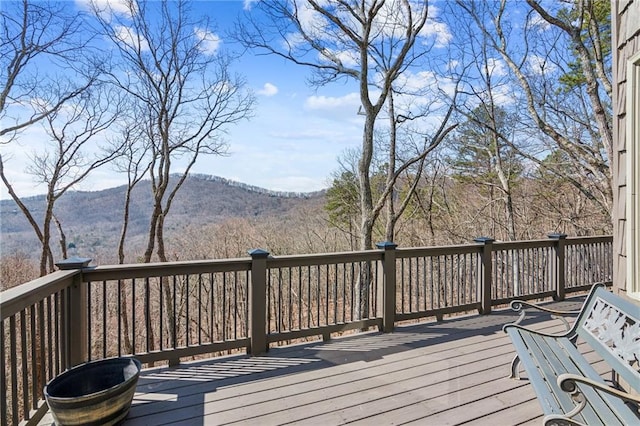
(256, 189)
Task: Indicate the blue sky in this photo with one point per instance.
(297, 132)
(291, 144)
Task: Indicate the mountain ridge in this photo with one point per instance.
(93, 219)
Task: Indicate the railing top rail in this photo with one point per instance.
(323, 258)
(148, 270)
(589, 240)
(520, 245)
(17, 298)
(438, 250)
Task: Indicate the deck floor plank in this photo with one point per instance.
(449, 372)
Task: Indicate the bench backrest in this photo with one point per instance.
(611, 326)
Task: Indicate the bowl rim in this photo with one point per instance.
(87, 364)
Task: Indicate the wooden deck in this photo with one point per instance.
(452, 372)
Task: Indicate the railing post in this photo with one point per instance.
(258, 302)
(486, 272)
(77, 334)
(560, 277)
(388, 285)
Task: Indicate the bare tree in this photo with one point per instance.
(72, 130)
(35, 31)
(184, 93)
(559, 62)
(370, 42)
(184, 98)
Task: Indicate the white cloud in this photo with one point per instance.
(109, 7)
(409, 82)
(347, 58)
(539, 65)
(496, 67)
(248, 4)
(129, 37)
(539, 23)
(268, 90)
(330, 103)
(439, 30)
(210, 42)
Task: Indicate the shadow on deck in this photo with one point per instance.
(449, 372)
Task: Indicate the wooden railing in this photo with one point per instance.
(169, 311)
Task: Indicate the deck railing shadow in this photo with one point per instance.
(174, 312)
(184, 387)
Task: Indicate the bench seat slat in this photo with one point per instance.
(550, 357)
(603, 403)
(532, 359)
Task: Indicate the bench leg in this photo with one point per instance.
(515, 373)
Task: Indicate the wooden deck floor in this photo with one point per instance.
(452, 372)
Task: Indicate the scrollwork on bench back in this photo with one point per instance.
(616, 330)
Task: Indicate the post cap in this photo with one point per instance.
(258, 254)
(557, 236)
(484, 240)
(386, 245)
(74, 263)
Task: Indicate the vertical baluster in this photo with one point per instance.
(472, 281)
(235, 306)
(104, 320)
(200, 309)
(410, 278)
(188, 312)
(224, 306)
(299, 298)
(526, 271)
(335, 294)
(460, 285)
(40, 373)
(89, 322)
(4, 420)
(421, 282)
(187, 328)
(317, 295)
(290, 299)
(246, 312)
(212, 307)
(119, 314)
(14, 371)
(174, 320)
(133, 316)
(344, 291)
(49, 322)
(161, 313)
(35, 368)
(353, 292)
(434, 291)
(326, 286)
(405, 285)
(445, 280)
(279, 313)
(56, 316)
(64, 310)
(25, 367)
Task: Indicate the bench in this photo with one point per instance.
(568, 388)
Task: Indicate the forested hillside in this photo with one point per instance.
(92, 221)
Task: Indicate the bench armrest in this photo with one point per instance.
(567, 383)
(520, 305)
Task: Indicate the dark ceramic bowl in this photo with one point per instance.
(94, 393)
